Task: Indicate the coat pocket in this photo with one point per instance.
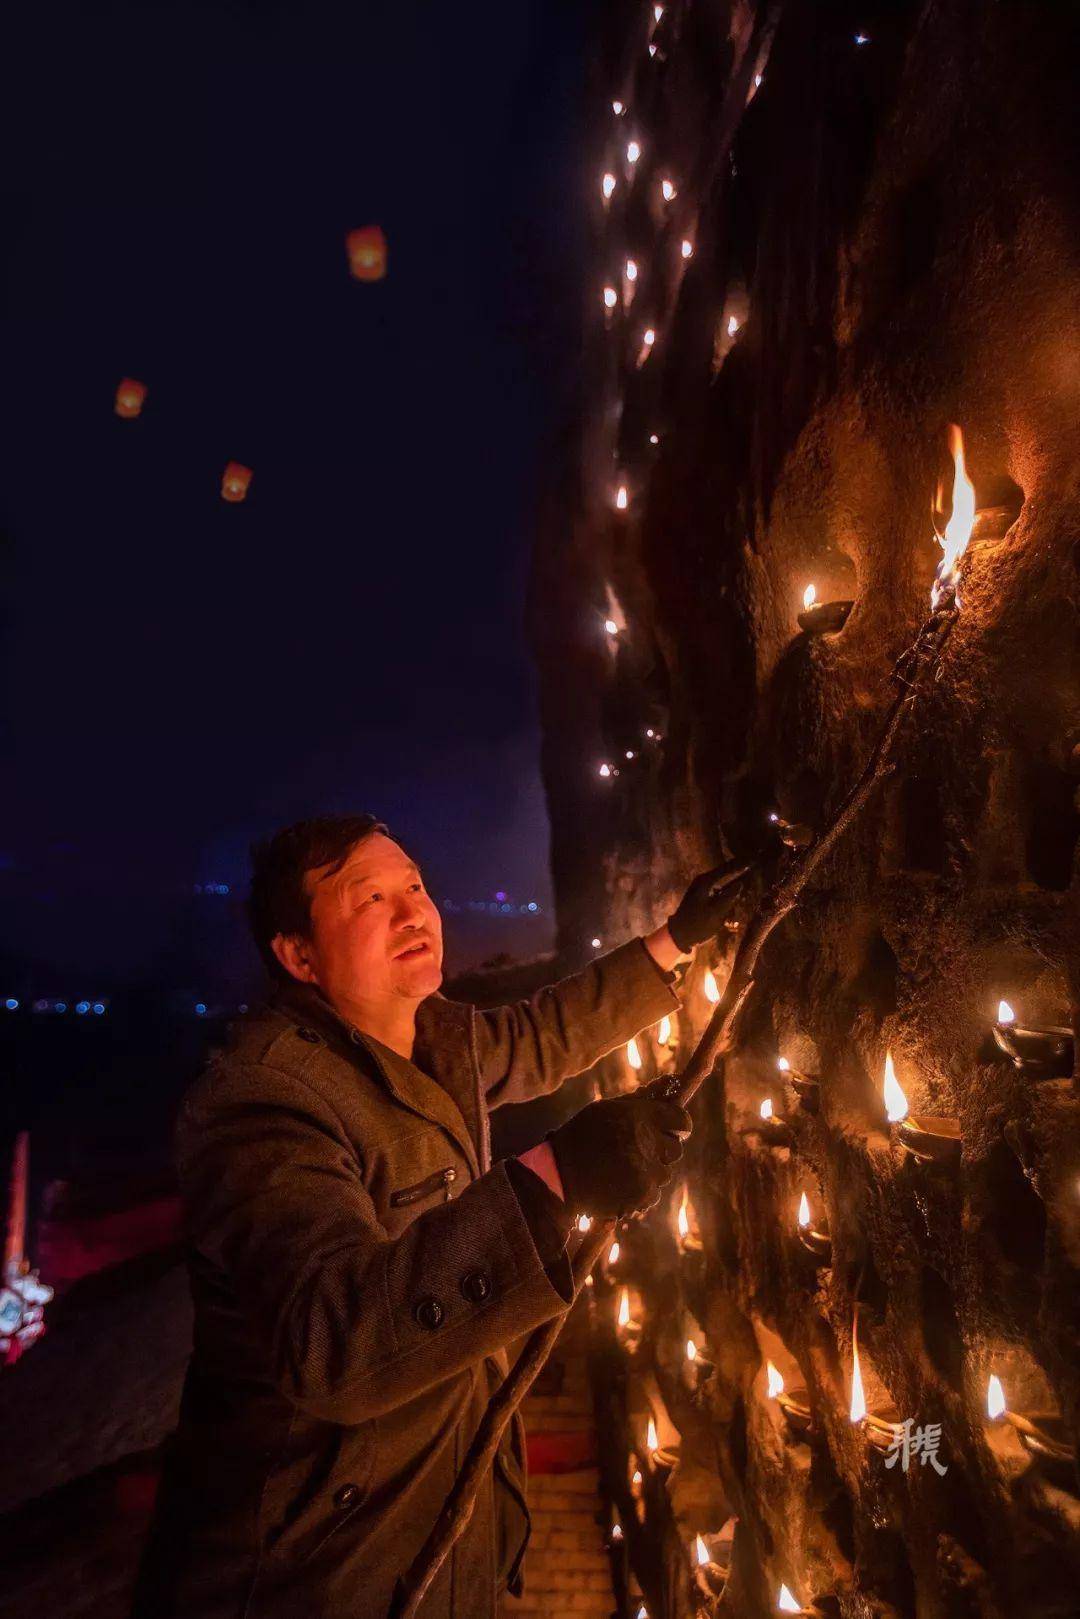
(313, 1494)
(440, 1181)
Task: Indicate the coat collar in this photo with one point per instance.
(305, 1005)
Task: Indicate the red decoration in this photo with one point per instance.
(130, 397)
(234, 481)
(367, 253)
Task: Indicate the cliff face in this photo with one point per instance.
(882, 240)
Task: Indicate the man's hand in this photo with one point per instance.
(705, 906)
(616, 1156)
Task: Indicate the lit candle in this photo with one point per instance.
(701, 1552)
(1006, 1015)
(611, 297)
(621, 498)
(776, 1381)
(630, 270)
(668, 189)
(633, 1055)
(809, 596)
(584, 1223)
(613, 1253)
(995, 1398)
(652, 1444)
(607, 186)
(691, 1350)
(623, 1318)
(687, 247)
(766, 1109)
(633, 151)
(804, 1210)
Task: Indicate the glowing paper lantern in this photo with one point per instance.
(235, 481)
(130, 398)
(366, 248)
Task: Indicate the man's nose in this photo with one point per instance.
(410, 911)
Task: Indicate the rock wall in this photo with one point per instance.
(880, 206)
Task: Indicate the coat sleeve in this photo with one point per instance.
(528, 1049)
(355, 1323)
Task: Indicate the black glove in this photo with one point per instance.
(704, 907)
(616, 1155)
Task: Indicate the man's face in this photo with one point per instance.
(375, 933)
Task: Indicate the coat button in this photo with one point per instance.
(476, 1286)
(429, 1312)
(347, 1496)
(308, 1034)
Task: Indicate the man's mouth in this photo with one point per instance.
(418, 949)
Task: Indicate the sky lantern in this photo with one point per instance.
(366, 248)
(130, 398)
(235, 481)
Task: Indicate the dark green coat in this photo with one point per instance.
(358, 1266)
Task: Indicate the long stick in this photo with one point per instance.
(915, 672)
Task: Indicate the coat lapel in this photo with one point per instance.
(407, 1083)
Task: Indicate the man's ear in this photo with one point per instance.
(292, 952)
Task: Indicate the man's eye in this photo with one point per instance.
(370, 897)
(419, 887)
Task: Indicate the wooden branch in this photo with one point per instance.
(915, 671)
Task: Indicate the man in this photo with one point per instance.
(358, 1264)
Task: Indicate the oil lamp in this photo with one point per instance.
(686, 1226)
(1045, 1052)
(822, 618)
(772, 1129)
(929, 1137)
(661, 1458)
(1043, 1434)
(815, 1239)
(807, 1087)
(879, 1426)
(794, 1403)
(627, 1326)
(786, 1603)
(711, 1561)
(793, 834)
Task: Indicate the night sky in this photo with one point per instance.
(183, 674)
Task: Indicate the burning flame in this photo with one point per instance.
(776, 1381)
(995, 1397)
(616, 1529)
(663, 1033)
(809, 597)
(611, 626)
(617, 108)
(702, 1552)
(611, 297)
(668, 189)
(584, 1223)
(631, 270)
(613, 1254)
(786, 1602)
(621, 498)
(858, 1398)
(633, 1055)
(687, 247)
(608, 185)
(683, 1221)
(783, 1065)
(804, 1211)
(732, 325)
(651, 1441)
(633, 151)
(691, 1349)
(958, 529)
(649, 337)
(1005, 1013)
(712, 991)
(635, 1479)
(605, 770)
(896, 1103)
(766, 1108)
(624, 1307)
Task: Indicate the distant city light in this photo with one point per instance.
(12, 1004)
(99, 1008)
(500, 894)
(61, 1006)
(654, 438)
(242, 1007)
(82, 1007)
(596, 943)
(200, 1008)
(533, 906)
(862, 39)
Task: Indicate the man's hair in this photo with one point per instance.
(278, 902)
